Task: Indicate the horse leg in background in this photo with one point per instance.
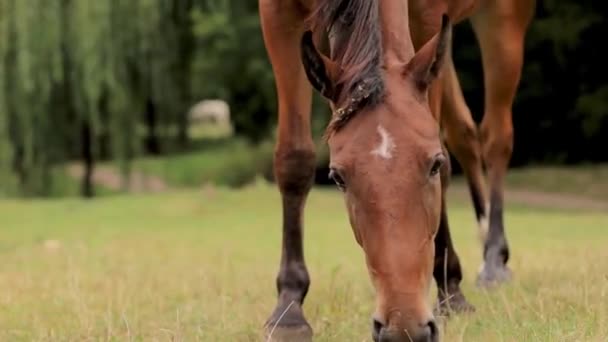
(500, 27)
(446, 270)
(294, 163)
(463, 141)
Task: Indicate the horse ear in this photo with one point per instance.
(427, 62)
(318, 68)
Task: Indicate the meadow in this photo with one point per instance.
(200, 265)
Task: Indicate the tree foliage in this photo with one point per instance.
(78, 77)
(234, 65)
(91, 80)
(561, 108)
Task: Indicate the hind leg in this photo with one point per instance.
(500, 28)
(294, 164)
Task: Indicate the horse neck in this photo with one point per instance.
(396, 39)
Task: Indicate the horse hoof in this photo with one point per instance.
(288, 333)
(493, 276)
(457, 303)
(287, 323)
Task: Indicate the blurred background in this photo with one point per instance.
(101, 97)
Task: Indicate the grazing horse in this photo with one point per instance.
(390, 81)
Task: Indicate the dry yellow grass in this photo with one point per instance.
(192, 266)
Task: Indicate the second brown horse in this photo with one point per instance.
(390, 81)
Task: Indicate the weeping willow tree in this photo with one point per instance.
(98, 37)
(31, 67)
(6, 157)
(80, 77)
(162, 70)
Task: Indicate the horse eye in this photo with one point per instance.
(335, 176)
(437, 164)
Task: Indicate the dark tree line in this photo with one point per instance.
(85, 80)
(561, 109)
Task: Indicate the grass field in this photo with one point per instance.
(200, 266)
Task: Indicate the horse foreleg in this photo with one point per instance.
(447, 271)
(463, 140)
(294, 164)
(500, 28)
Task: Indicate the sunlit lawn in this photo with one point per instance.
(200, 265)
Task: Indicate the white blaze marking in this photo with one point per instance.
(387, 145)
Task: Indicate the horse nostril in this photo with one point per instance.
(427, 333)
(376, 328)
(432, 328)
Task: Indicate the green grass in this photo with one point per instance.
(195, 131)
(213, 131)
(62, 185)
(222, 162)
(230, 161)
(200, 266)
(585, 180)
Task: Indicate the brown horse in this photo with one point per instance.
(390, 81)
